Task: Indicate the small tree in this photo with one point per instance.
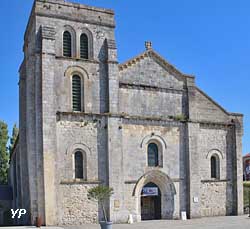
(4, 156)
(101, 194)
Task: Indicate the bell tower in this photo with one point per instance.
(62, 41)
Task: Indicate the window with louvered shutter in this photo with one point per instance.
(76, 93)
(84, 46)
(67, 44)
(78, 165)
(153, 159)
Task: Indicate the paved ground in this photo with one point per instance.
(235, 222)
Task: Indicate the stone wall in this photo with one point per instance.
(77, 209)
(135, 141)
(213, 141)
(88, 134)
(162, 96)
(213, 198)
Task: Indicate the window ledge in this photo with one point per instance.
(214, 181)
(77, 59)
(80, 181)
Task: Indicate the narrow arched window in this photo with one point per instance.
(76, 93)
(67, 50)
(153, 157)
(84, 46)
(78, 165)
(215, 167)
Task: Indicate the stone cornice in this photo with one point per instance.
(136, 119)
(77, 59)
(149, 88)
(117, 115)
(78, 6)
(213, 125)
(236, 114)
(68, 18)
(135, 181)
(73, 182)
(215, 181)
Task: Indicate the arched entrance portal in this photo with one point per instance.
(166, 192)
(150, 202)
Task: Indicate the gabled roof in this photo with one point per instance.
(151, 53)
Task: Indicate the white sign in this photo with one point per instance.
(150, 191)
(183, 216)
(196, 199)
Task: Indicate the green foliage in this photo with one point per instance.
(101, 194)
(4, 155)
(180, 117)
(247, 184)
(13, 139)
(246, 193)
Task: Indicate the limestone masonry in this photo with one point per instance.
(141, 127)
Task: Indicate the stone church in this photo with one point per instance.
(141, 127)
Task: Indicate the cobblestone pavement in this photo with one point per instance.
(234, 222)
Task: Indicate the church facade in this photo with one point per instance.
(141, 127)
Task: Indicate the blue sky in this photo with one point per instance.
(210, 39)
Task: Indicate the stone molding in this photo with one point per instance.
(68, 18)
(215, 181)
(149, 88)
(75, 182)
(78, 6)
(77, 59)
(135, 181)
(215, 151)
(71, 70)
(141, 120)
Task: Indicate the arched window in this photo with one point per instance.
(79, 165)
(215, 167)
(76, 93)
(67, 50)
(153, 157)
(84, 46)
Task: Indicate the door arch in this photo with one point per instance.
(151, 202)
(166, 187)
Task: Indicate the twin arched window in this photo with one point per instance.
(215, 167)
(153, 155)
(67, 45)
(77, 91)
(80, 165)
